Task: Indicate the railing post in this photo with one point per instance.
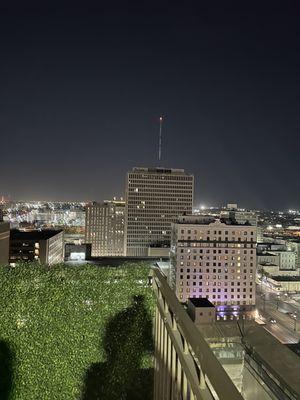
(173, 373)
(185, 346)
(202, 380)
(179, 374)
(184, 387)
(174, 323)
(169, 366)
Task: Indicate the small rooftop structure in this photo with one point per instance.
(200, 302)
(207, 220)
(159, 170)
(36, 235)
(201, 310)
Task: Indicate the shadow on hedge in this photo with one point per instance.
(127, 338)
(6, 370)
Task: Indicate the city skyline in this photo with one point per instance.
(149, 200)
(83, 89)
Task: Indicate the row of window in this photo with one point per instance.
(214, 270)
(196, 231)
(220, 258)
(214, 264)
(218, 239)
(214, 251)
(216, 283)
(218, 290)
(216, 244)
(222, 295)
(219, 303)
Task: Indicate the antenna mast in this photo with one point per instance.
(160, 138)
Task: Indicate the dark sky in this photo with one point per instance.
(82, 86)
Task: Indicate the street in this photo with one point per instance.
(283, 310)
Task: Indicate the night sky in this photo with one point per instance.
(82, 86)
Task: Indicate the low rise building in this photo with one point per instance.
(77, 252)
(285, 284)
(294, 245)
(201, 310)
(276, 259)
(241, 216)
(46, 246)
(4, 242)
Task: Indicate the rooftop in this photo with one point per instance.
(266, 253)
(281, 362)
(275, 358)
(107, 203)
(286, 278)
(159, 170)
(267, 264)
(45, 234)
(192, 219)
(201, 302)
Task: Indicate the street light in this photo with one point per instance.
(277, 301)
(294, 316)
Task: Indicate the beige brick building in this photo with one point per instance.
(214, 259)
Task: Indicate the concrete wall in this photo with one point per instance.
(158, 251)
(4, 242)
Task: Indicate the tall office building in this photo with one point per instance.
(4, 242)
(214, 259)
(104, 228)
(155, 197)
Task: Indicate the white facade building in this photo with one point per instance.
(214, 259)
(104, 228)
(240, 215)
(287, 259)
(155, 197)
(277, 257)
(277, 263)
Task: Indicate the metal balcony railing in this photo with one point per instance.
(185, 366)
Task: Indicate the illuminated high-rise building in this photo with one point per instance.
(104, 228)
(214, 259)
(155, 197)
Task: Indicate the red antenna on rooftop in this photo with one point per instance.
(161, 118)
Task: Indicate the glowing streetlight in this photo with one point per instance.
(277, 301)
(294, 316)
